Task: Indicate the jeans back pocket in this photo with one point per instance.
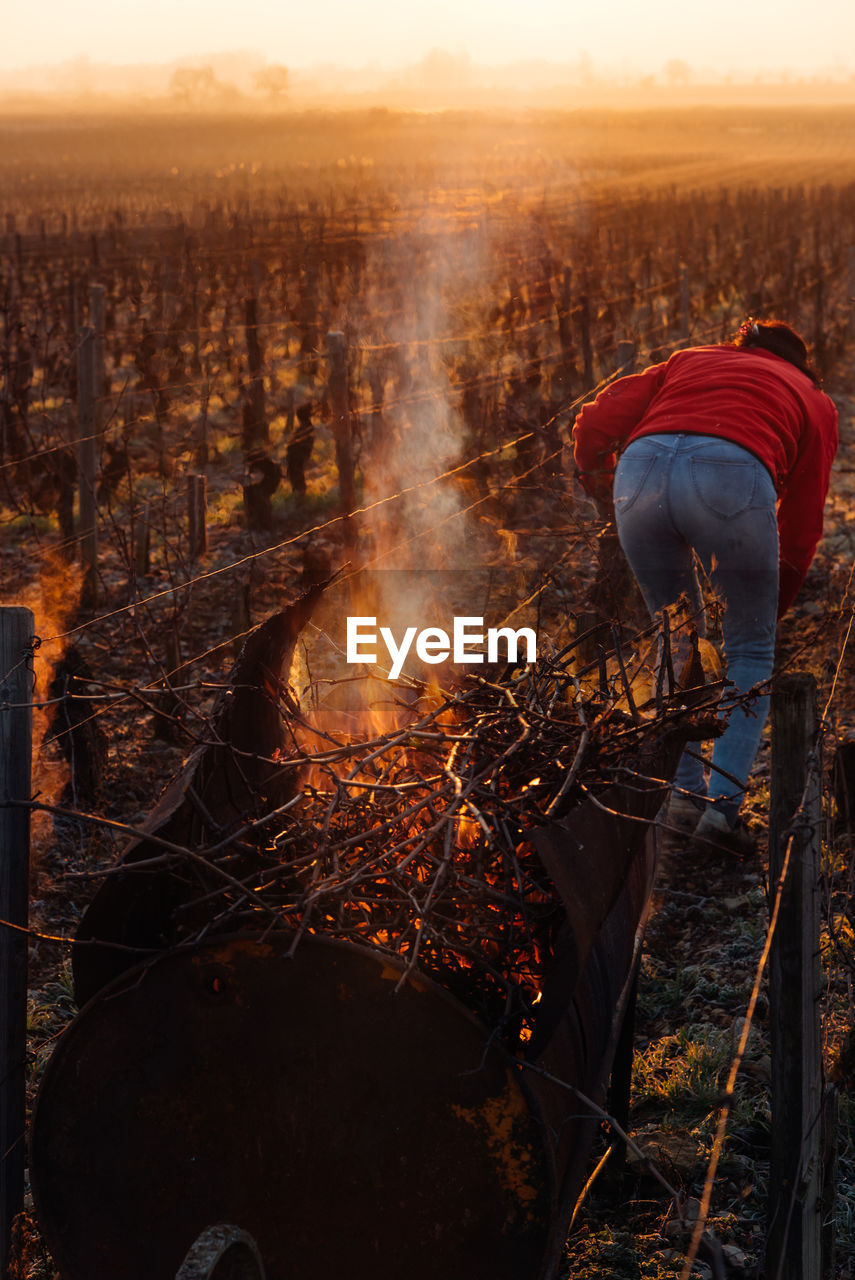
(632, 471)
(726, 487)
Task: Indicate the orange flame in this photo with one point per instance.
(48, 600)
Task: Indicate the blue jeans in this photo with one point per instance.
(680, 496)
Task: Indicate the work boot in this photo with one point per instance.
(716, 833)
(683, 813)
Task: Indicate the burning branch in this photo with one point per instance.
(420, 841)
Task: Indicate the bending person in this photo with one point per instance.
(725, 454)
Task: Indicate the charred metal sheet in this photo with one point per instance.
(239, 776)
(601, 858)
(589, 853)
(581, 1046)
(349, 1128)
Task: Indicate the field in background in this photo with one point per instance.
(82, 158)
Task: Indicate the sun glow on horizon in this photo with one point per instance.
(741, 39)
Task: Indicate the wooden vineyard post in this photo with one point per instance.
(794, 1243)
(626, 358)
(241, 612)
(87, 464)
(830, 1164)
(16, 734)
(685, 320)
(196, 363)
(97, 320)
(19, 258)
(255, 430)
(142, 541)
(337, 349)
(202, 438)
(564, 331)
(197, 515)
(819, 343)
(585, 339)
(73, 306)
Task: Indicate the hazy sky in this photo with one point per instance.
(742, 35)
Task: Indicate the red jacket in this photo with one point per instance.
(746, 395)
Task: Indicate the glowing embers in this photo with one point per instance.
(413, 832)
(409, 838)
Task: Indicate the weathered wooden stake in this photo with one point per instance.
(820, 346)
(97, 320)
(337, 349)
(196, 363)
(255, 429)
(197, 515)
(626, 357)
(290, 414)
(87, 463)
(564, 328)
(142, 541)
(202, 436)
(585, 340)
(16, 735)
(241, 613)
(685, 320)
(830, 1129)
(794, 1241)
(73, 305)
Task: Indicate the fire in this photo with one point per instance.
(357, 708)
(380, 719)
(359, 713)
(468, 831)
(47, 599)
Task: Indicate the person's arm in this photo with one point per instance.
(800, 510)
(608, 420)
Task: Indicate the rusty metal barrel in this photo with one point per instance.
(341, 1122)
(347, 1123)
(348, 1114)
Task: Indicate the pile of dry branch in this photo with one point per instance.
(416, 841)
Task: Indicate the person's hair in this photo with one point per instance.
(777, 336)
